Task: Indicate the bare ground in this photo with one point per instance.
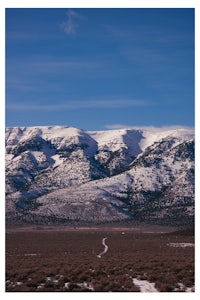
(65, 259)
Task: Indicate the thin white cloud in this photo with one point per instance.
(71, 24)
(72, 105)
(151, 128)
(117, 103)
(116, 126)
(57, 65)
(50, 66)
(148, 33)
(17, 35)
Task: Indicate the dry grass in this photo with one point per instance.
(67, 261)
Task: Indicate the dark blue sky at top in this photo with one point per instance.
(97, 68)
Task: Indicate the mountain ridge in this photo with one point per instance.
(64, 174)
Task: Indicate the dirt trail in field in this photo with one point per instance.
(105, 248)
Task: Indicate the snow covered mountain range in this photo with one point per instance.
(63, 174)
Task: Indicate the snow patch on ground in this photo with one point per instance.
(13, 284)
(84, 285)
(41, 285)
(181, 245)
(182, 288)
(145, 286)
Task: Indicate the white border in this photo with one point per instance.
(97, 4)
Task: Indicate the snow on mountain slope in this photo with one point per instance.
(63, 153)
(117, 148)
(63, 173)
(114, 140)
(150, 136)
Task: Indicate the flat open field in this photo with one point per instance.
(99, 260)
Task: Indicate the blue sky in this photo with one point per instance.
(100, 68)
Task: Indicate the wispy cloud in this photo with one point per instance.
(151, 128)
(146, 33)
(148, 47)
(58, 65)
(15, 84)
(72, 23)
(28, 36)
(20, 36)
(48, 65)
(73, 105)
